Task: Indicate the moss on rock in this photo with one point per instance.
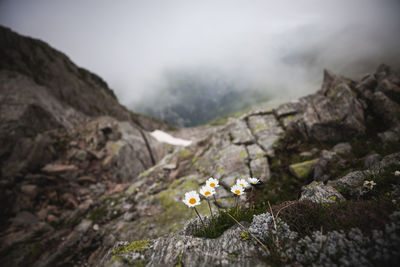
(303, 169)
(137, 246)
(175, 213)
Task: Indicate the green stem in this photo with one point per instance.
(216, 204)
(209, 205)
(237, 205)
(200, 218)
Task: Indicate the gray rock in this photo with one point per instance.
(255, 151)
(259, 163)
(28, 155)
(319, 193)
(260, 169)
(58, 168)
(263, 227)
(80, 155)
(388, 86)
(342, 148)
(226, 250)
(288, 109)
(127, 161)
(292, 121)
(23, 219)
(232, 164)
(267, 131)
(306, 154)
(128, 216)
(84, 226)
(303, 169)
(350, 248)
(390, 159)
(334, 114)
(367, 86)
(390, 136)
(321, 168)
(171, 166)
(372, 161)
(239, 132)
(385, 108)
(30, 190)
(351, 183)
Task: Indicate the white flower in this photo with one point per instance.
(242, 183)
(253, 180)
(191, 199)
(397, 173)
(211, 182)
(369, 184)
(207, 191)
(237, 189)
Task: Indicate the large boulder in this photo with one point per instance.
(304, 169)
(184, 250)
(319, 193)
(334, 113)
(267, 130)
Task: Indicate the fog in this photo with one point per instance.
(277, 46)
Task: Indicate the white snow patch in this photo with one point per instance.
(169, 139)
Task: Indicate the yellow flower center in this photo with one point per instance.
(242, 185)
(212, 184)
(207, 193)
(237, 192)
(192, 201)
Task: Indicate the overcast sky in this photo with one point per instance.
(277, 45)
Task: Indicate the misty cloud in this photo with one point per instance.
(278, 46)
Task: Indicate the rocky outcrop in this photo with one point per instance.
(334, 113)
(42, 89)
(227, 250)
(349, 249)
(320, 193)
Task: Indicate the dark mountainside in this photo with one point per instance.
(84, 183)
(42, 90)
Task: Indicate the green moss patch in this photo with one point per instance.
(134, 246)
(174, 212)
(302, 170)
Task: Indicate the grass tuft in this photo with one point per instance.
(217, 226)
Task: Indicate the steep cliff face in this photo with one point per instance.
(71, 85)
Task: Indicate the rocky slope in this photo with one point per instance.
(64, 137)
(92, 187)
(320, 148)
(42, 89)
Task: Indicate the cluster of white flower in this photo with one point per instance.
(192, 198)
(242, 184)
